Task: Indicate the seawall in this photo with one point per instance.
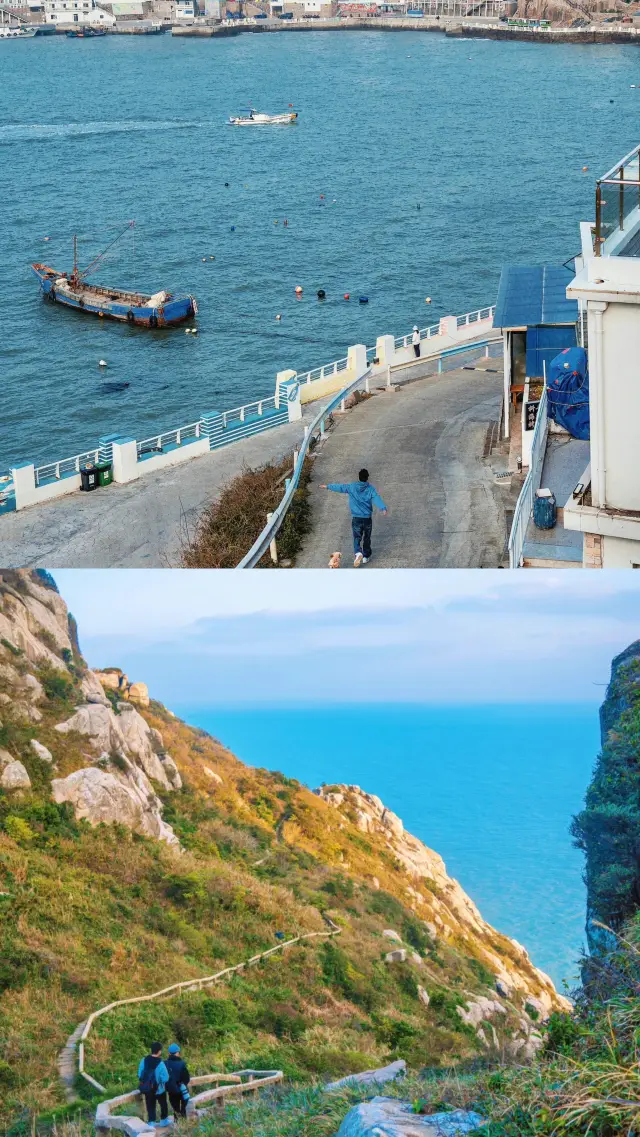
(454, 27)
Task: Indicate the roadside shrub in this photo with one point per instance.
(226, 530)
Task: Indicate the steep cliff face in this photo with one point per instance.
(608, 829)
(135, 849)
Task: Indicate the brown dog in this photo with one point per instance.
(334, 560)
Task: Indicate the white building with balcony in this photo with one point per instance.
(597, 482)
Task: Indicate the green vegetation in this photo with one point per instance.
(226, 530)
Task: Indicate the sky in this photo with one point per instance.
(215, 638)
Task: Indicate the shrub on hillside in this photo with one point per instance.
(226, 530)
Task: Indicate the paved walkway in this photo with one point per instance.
(423, 444)
(138, 525)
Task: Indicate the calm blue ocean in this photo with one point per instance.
(492, 789)
(488, 138)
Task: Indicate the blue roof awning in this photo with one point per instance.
(530, 295)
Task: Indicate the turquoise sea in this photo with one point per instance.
(492, 789)
(489, 139)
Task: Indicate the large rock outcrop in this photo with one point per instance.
(439, 899)
(125, 734)
(104, 797)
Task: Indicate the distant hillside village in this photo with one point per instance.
(148, 15)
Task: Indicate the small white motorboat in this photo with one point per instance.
(255, 118)
(13, 32)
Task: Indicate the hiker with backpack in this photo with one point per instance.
(152, 1081)
(179, 1078)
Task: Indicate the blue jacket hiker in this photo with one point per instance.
(179, 1078)
(152, 1082)
(362, 498)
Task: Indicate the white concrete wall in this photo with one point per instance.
(621, 405)
(28, 493)
(620, 554)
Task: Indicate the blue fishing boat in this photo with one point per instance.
(156, 310)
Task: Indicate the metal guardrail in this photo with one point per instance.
(66, 466)
(268, 534)
(524, 504)
(173, 438)
(622, 198)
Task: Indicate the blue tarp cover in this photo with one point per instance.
(568, 391)
(534, 294)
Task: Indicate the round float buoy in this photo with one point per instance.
(321, 294)
(584, 169)
(346, 296)
(102, 363)
(226, 184)
(298, 290)
(194, 331)
(204, 259)
(278, 317)
(47, 238)
(363, 299)
(275, 223)
(427, 299)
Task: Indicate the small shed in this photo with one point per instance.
(537, 322)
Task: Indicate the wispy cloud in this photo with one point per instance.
(407, 637)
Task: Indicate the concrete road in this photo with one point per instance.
(139, 525)
(423, 444)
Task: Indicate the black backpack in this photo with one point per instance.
(148, 1082)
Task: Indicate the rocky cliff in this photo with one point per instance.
(136, 851)
(608, 829)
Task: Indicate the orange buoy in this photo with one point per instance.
(584, 169)
(346, 295)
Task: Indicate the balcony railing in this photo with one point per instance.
(617, 196)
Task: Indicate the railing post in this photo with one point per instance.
(281, 378)
(24, 483)
(598, 239)
(273, 548)
(388, 376)
(290, 392)
(212, 427)
(621, 199)
(126, 467)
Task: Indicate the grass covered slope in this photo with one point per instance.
(90, 914)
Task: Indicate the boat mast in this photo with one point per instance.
(74, 274)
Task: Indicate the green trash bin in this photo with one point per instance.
(105, 473)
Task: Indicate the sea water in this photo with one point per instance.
(488, 139)
(492, 789)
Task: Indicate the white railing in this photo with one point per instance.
(425, 334)
(158, 442)
(269, 533)
(66, 466)
(475, 317)
(524, 504)
(324, 372)
(259, 407)
(171, 439)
